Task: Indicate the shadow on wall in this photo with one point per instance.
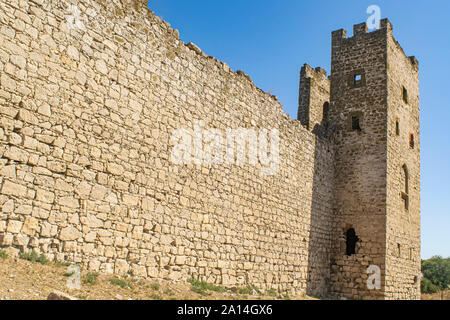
(320, 236)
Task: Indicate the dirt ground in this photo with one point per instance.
(443, 295)
(25, 280)
(21, 279)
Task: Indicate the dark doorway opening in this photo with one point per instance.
(351, 239)
(356, 123)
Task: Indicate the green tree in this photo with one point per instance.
(428, 287)
(436, 274)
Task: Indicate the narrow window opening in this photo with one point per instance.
(405, 95)
(350, 240)
(397, 127)
(405, 192)
(411, 141)
(326, 110)
(357, 79)
(399, 250)
(405, 171)
(356, 123)
(406, 201)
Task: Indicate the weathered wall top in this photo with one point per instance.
(89, 122)
(361, 29)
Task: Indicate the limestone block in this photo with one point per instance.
(115, 168)
(94, 265)
(100, 66)
(73, 53)
(56, 166)
(69, 233)
(45, 110)
(92, 222)
(17, 154)
(70, 202)
(30, 226)
(8, 171)
(14, 189)
(130, 200)
(84, 190)
(7, 83)
(8, 206)
(91, 236)
(58, 295)
(14, 226)
(121, 267)
(138, 271)
(27, 116)
(98, 192)
(45, 196)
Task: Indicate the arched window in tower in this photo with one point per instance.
(405, 192)
(350, 240)
(326, 110)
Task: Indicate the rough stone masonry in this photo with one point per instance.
(90, 94)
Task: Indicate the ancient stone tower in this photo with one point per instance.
(91, 94)
(372, 117)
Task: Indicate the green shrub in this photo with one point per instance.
(249, 290)
(62, 264)
(271, 293)
(141, 283)
(90, 278)
(169, 292)
(34, 257)
(436, 274)
(286, 297)
(119, 282)
(202, 287)
(246, 290)
(154, 286)
(428, 287)
(3, 254)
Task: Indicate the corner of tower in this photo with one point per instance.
(314, 97)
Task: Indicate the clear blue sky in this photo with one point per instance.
(270, 41)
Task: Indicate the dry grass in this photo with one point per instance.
(443, 295)
(30, 279)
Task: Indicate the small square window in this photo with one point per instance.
(405, 95)
(356, 123)
(357, 79)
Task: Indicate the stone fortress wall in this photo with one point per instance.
(87, 116)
